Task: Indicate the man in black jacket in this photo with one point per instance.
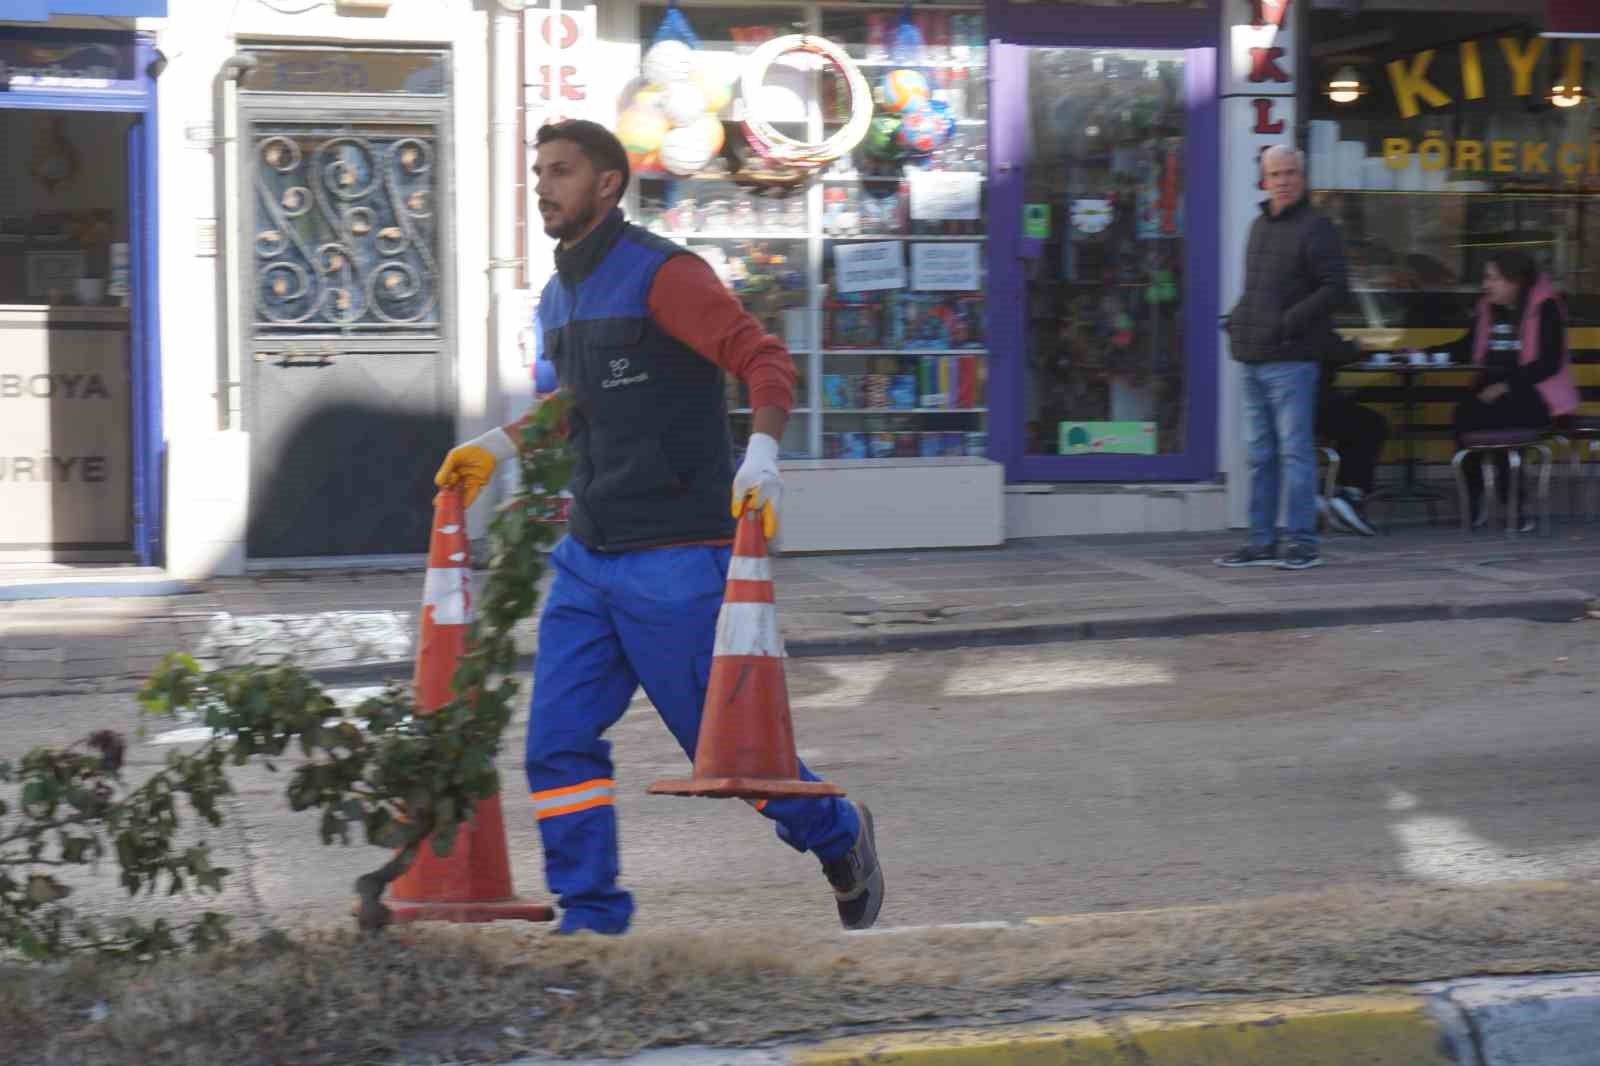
(1278, 333)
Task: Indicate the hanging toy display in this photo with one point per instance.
(881, 142)
(804, 157)
(641, 129)
(924, 125)
(926, 129)
(671, 124)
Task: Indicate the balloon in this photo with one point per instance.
(684, 103)
(880, 139)
(641, 129)
(643, 163)
(709, 127)
(667, 62)
(651, 97)
(715, 84)
(685, 151)
(927, 129)
(904, 90)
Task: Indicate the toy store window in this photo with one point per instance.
(697, 181)
(1104, 314)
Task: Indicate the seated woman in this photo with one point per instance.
(1518, 339)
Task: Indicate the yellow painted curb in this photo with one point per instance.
(1381, 1029)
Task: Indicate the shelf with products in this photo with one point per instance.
(966, 238)
(905, 351)
(905, 410)
(871, 179)
(775, 247)
(685, 236)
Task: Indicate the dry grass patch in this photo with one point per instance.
(449, 994)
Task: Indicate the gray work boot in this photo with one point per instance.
(856, 877)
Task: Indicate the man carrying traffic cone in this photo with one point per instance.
(640, 332)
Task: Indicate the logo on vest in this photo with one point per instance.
(619, 376)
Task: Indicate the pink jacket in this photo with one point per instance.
(1559, 391)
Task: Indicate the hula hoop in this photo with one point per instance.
(781, 148)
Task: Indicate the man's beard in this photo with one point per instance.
(575, 225)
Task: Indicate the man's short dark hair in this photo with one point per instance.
(598, 145)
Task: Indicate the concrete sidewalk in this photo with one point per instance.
(361, 625)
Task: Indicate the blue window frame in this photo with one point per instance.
(131, 90)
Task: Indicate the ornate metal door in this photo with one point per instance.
(349, 384)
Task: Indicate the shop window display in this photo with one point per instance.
(1103, 188)
(64, 212)
(869, 267)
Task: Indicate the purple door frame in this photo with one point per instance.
(1012, 31)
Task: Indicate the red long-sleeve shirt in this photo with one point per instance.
(694, 307)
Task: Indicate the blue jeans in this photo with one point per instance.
(1280, 402)
(613, 622)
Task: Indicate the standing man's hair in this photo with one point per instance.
(1284, 149)
(598, 145)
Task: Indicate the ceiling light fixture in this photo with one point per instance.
(1566, 95)
(1346, 87)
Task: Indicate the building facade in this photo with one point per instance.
(269, 259)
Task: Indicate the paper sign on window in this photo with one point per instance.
(944, 266)
(864, 267)
(944, 195)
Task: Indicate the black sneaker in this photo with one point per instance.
(1349, 512)
(856, 877)
(1300, 557)
(1250, 556)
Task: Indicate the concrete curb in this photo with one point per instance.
(18, 591)
(1515, 1021)
(1548, 607)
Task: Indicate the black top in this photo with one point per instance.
(1503, 359)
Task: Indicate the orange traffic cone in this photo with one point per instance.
(746, 743)
(473, 882)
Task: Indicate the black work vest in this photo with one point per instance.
(649, 423)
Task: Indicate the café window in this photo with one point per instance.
(1436, 144)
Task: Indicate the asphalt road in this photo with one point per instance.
(1009, 783)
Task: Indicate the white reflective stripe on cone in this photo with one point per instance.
(745, 568)
(449, 591)
(748, 629)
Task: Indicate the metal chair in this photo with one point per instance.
(1330, 481)
(1511, 442)
(1576, 436)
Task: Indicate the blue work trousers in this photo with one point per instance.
(614, 621)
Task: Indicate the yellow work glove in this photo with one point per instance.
(758, 483)
(469, 466)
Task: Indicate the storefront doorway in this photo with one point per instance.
(1104, 225)
(350, 387)
(79, 381)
